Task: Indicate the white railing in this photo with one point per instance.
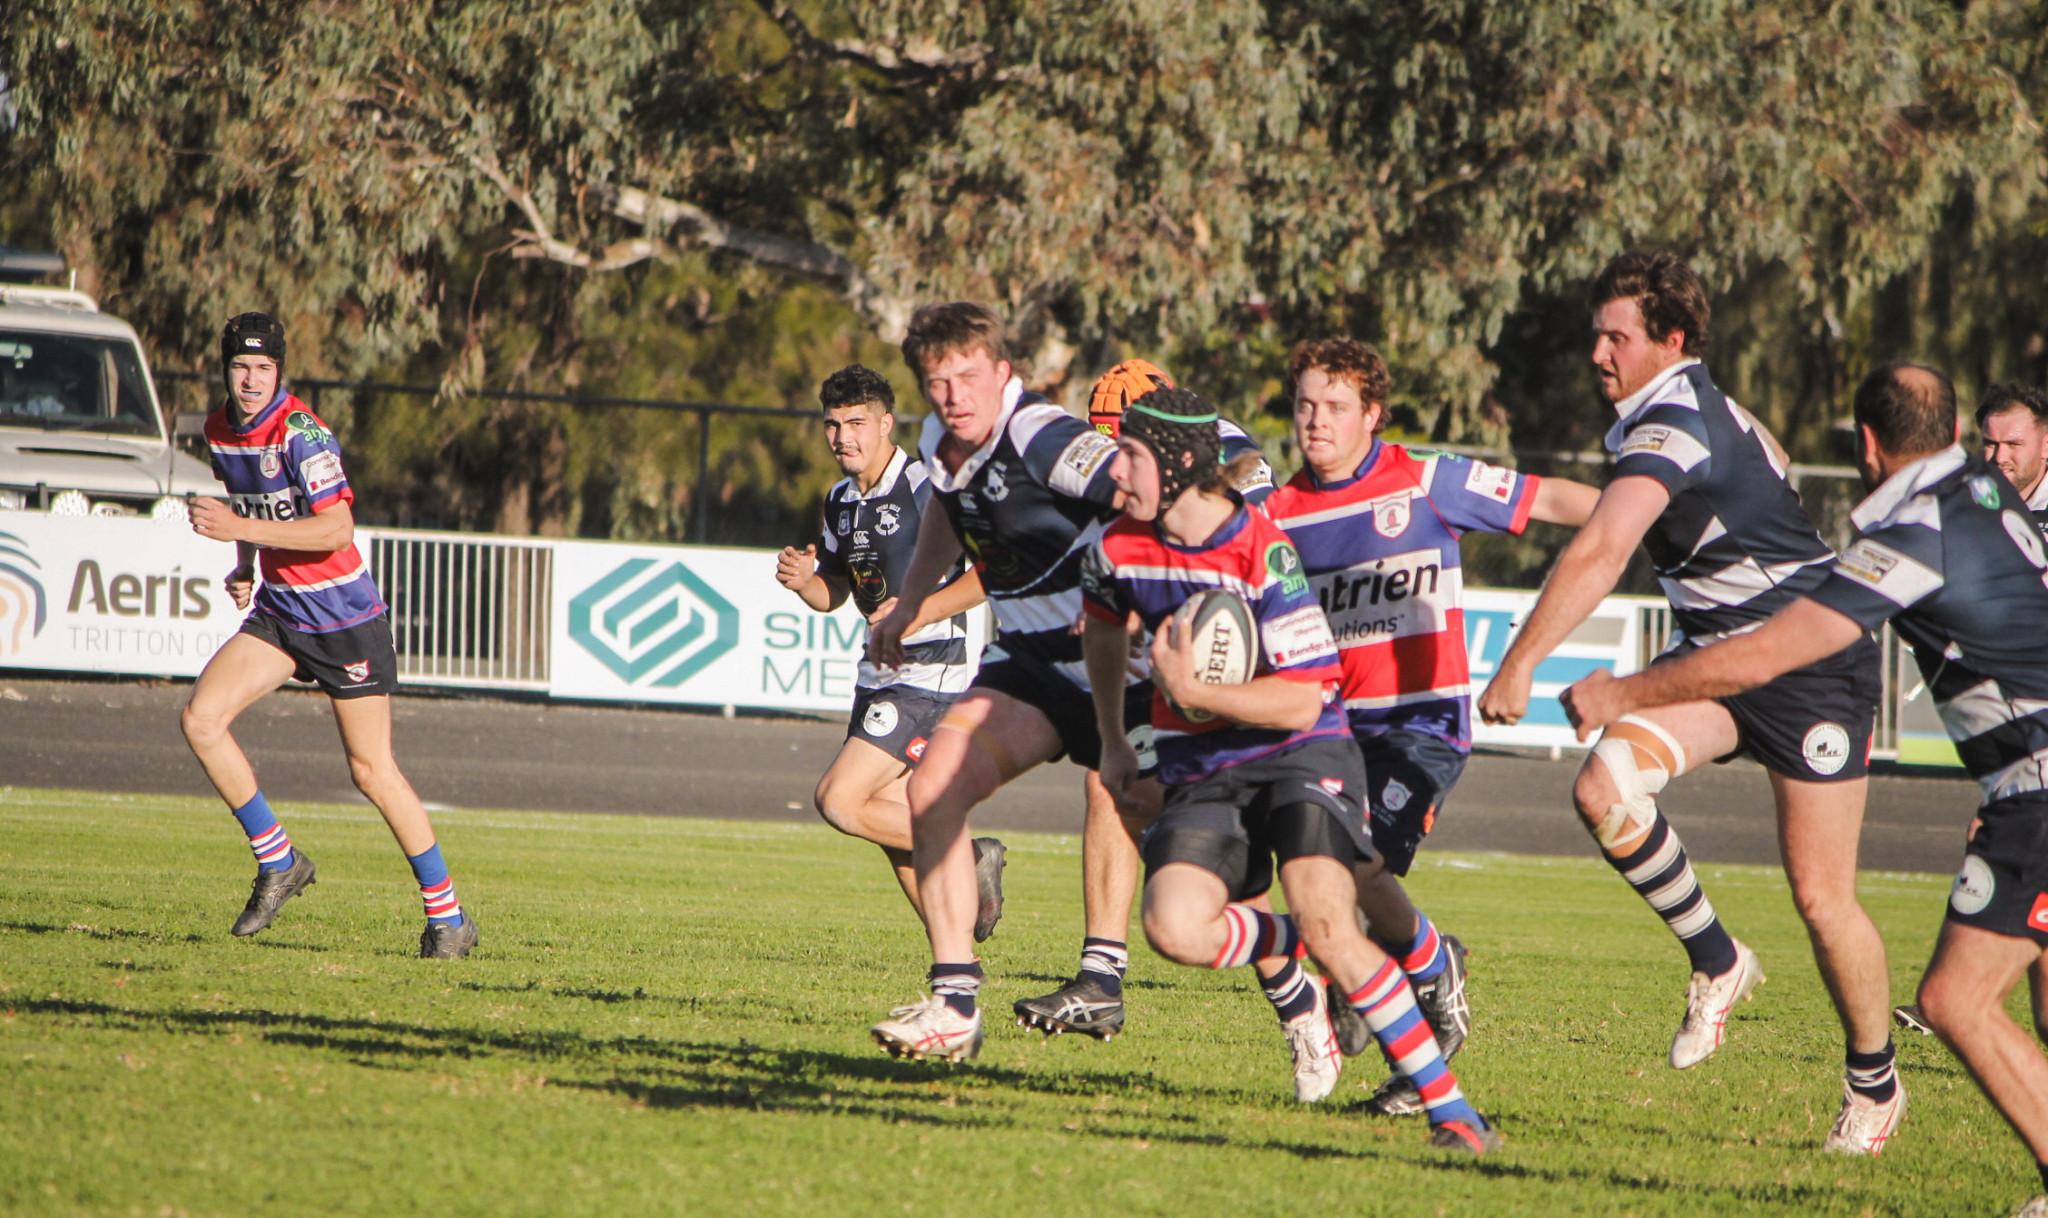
(467, 609)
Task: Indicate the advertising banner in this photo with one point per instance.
(118, 595)
(697, 625)
(1611, 639)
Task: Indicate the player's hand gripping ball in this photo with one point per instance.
(1216, 626)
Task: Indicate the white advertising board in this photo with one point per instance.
(119, 595)
(697, 625)
(1611, 639)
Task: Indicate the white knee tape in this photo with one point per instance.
(1638, 787)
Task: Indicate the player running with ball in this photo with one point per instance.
(318, 616)
(1255, 772)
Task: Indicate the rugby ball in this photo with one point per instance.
(1226, 641)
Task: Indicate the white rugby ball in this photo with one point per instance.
(1226, 641)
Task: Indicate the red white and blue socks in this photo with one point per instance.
(437, 890)
(1253, 934)
(1387, 1004)
(1424, 957)
(267, 839)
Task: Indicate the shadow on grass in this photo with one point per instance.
(110, 934)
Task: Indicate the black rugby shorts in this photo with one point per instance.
(1224, 824)
(1812, 724)
(1071, 709)
(897, 719)
(358, 662)
(1408, 774)
(2003, 885)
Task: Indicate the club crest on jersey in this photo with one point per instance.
(1286, 567)
(358, 672)
(1390, 516)
(888, 519)
(1984, 491)
(995, 486)
(308, 427)
(845, 523)
(271, 464)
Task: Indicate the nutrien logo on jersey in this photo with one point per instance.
(23, 607)
(646, 619)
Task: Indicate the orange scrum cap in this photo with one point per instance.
(1118, 388)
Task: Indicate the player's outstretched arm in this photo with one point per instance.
(1275, 701)
(1585, 573)
(1562, 501)
(938, 548)
(331, 528)
(797, 570)
(1797, 635)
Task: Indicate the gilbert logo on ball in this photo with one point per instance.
(24, 609)
(653, 624)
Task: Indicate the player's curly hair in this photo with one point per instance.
(938, 330)
(1910, 408)
(2008, 394)
(1665, 288)
(857, 385)
(1346, 359)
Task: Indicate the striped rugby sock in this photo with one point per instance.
(1387, 1005)
(437, 890)
(1423, 957)
(1661, 874)
(1289, 990)
(267, 838)
(1253, 934)
(1874, 1076)
(958, 984)
(1108, 959)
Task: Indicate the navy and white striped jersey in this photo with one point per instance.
(1257, 483)
(867, 541)
(1946, 552)
(2037, 505)
(1734, 545)
(1027, 505)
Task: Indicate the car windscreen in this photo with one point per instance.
(72, 382)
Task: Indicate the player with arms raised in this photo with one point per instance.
(1377, 527)
(317, 616)
(1257, 771)
(1023, 488)
(1703, 488)
(871, 522)
(1946, 554)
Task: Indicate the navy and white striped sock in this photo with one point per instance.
(1661, 874)
(1874, 1076)
(1289, 990)
(958, 984)
(1108, 959)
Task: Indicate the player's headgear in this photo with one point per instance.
(252, 334)
(1117, 388)
(1179, 426)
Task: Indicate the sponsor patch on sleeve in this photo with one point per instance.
(1298, 637)
(1659, 440)
(1898, 578)
(1079, 462)
(1492, 481)
(321, 470)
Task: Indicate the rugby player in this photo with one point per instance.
(1946, 553)
(1377, 528)
(318, 616)
(2013, 419)
(1022, 487)
(1698, 484)
(870, 532)
(1257, 772)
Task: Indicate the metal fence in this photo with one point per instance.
(466, 610)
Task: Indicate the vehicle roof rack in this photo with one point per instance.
(55, 298)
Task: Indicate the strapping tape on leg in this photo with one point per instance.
(1640, 757)
(1006, 765)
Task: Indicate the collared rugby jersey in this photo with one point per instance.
(1257, 484)
(1734, 545)
(286, 465)
(1132, 568)
(1027, 505)
(868, 541)
(1946, 552)
(1381, 550)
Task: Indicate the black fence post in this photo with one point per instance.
(703, 472)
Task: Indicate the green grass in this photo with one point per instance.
(670, 1016)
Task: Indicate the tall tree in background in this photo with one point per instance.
(527, 193)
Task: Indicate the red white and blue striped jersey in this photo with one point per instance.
(1381, 548)
(1132, 568)
(286, 465)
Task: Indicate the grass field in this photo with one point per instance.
(670, 1016)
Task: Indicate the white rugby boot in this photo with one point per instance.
(1708, 1000)
(930, 1028)
(1864, 1125)
(1313, 1042)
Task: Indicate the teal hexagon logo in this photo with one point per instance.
(646, 619)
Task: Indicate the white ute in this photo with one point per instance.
(81, 432)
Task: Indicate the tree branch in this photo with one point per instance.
(917, 62)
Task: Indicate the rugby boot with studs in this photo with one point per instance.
(440, 941)
(1313, 1045)
(929, 1028)
(1460, 1136)
(1708, 1000)
(1865, 1125)
(271, 890)
(1081, 1005)
(988, 886)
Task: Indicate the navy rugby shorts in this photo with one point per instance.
(1408, 774)
(1071, 709)
(2003, 886)
(1225, 825)
(1812, 724)
(897, 719)
(358, 662)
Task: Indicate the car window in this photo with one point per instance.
(70, 382)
